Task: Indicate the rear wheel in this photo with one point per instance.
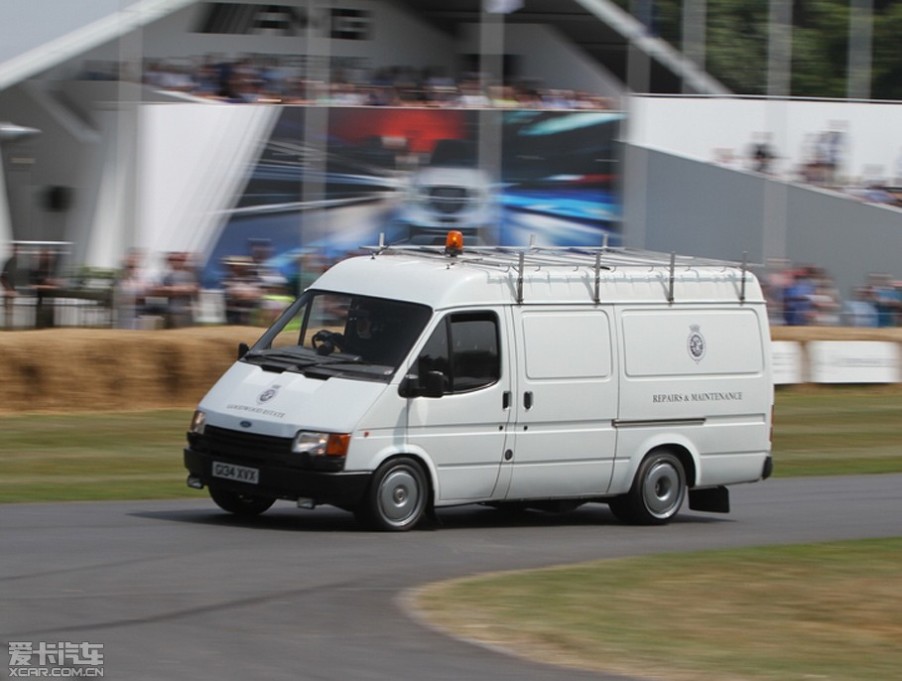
(397, 497)
(244, 505)
(657, 493)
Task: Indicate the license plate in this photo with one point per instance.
(229, 471)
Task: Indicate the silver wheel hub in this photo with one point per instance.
(399, 496)
(663, 490)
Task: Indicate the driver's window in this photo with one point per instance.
(322, 312)
(465, 349)
(328, 312)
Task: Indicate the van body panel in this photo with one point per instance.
(465, 437)
(634, 442)
(709, 367)
(732, 468)
(566, 402)
(463, 434)
(440, 285)
(280, 404)
(692, 341)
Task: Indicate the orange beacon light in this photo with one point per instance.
(454, 243)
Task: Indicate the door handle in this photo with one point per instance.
(506, 399)
(527, 399)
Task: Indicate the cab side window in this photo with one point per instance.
(465, 349)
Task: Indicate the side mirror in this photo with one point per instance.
(432, 384)
(410, 386)
(243, 349)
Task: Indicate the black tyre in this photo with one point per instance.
(244, 505)
(397, 498)
(657, 493)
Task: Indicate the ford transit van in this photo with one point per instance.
(415, 378)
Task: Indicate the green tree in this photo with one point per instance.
(737, 43)
(820, 43)
(887, 63)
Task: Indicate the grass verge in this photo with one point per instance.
(787, 614)
(824, 611)
(68, 457)
(138, 455)
(837, 431)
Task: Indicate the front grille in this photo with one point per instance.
(259, 450)
(448, 199)
(236, 443)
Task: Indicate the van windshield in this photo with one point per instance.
(324, 334)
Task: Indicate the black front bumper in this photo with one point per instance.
(345, 490)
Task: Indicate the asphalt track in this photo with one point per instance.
(179, 590)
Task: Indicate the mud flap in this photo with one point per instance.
(710, 500)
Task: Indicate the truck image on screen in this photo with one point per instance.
(451, 192)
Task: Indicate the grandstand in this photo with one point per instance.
(123, 160)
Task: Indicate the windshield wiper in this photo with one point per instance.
(349, 365)
(314, 363)
(306, 361)
(342, 359)
(279, 361)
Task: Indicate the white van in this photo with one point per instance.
(417, 378)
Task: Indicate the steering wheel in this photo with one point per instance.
(326, 342)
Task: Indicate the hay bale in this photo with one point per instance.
(803, 334)
(118, 370)
(111, 370)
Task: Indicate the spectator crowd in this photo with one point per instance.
(253, 292)
(807, 296)
(823, 163)
(267, 79)
(250, 290)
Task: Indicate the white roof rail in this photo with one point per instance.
(595, 258)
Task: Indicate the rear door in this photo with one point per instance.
(566, 402)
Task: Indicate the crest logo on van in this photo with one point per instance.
(268, 394)
(696, 343)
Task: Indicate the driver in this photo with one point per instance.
(358, 336)
(363, 324)
(359, 332)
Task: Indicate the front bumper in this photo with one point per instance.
(345, 490)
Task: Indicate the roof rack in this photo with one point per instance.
(597, 258)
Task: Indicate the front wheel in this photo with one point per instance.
(657, 493)
(244, 505)
(397, 497)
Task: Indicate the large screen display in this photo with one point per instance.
(329, 180)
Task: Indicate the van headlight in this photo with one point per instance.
(198, 423)
(321, 444)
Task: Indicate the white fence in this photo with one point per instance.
(836, 362)
(27, 312)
